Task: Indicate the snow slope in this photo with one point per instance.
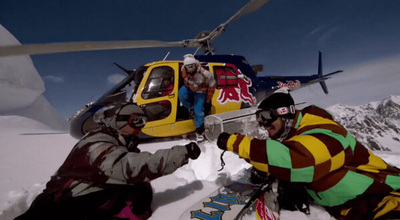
(29, 158)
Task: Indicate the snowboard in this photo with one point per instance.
(227, 201)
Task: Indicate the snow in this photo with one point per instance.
(34, 143)
(30, 157)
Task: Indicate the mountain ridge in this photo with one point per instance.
(376, 124)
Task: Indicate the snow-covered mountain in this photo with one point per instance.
(376, 125)
(22, 88)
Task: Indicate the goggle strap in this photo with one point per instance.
(130, 120)
(123, 118)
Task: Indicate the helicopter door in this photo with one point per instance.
(227, 96)
(158, 96)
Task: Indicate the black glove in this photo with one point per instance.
(193, 150)
(257, 176)
(293, 196)
(222, 140)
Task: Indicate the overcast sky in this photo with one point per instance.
(284, 35)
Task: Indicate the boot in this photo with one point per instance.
(200, 133)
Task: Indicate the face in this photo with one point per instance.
(276, 128)
(166, 82)
(128, 130)
(191, 68)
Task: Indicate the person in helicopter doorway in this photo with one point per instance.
(106, 176)
(167, 87)
(161, 109)
(197, 92)
(308, 147)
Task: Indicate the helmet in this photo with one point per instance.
(117, 116)
(279, 104)
(190, 63)
(189, 59)
(130, 114)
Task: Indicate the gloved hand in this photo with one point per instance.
(293, 196)
(222, 140)
(193, 150)
(257, 176)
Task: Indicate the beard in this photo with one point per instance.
(284, 131)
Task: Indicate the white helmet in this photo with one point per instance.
(190, 63)
(189, 59)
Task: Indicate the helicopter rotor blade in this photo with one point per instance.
(250, 7)
(202, 42)
(34, 49)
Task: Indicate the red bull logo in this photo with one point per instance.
(292, 85)
(238, 93)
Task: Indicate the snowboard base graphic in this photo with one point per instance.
(227, 201)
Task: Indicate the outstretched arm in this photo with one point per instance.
(292, 163)
(121, 166)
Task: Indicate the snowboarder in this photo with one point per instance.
(106, 176)
(197, 92)
(309, 147)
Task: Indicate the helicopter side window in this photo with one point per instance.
(159, 83)
(226, 77)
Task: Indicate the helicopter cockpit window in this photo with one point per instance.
(225, 77)
(160, 83)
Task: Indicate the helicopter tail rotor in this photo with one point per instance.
(321, 76)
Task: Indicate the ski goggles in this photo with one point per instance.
(190, 68)
(266, 117)
(134, 120)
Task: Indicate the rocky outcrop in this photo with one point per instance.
(376, 125)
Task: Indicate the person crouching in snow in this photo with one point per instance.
(309, 147)
(197, 92)
(106, 176)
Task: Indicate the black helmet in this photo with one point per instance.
(279, 104)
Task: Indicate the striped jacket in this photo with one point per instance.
(322, 154)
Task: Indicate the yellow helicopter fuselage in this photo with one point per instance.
(166, 116)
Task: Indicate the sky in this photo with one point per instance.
(285, 36)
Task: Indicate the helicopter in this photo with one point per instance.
(238, 85)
